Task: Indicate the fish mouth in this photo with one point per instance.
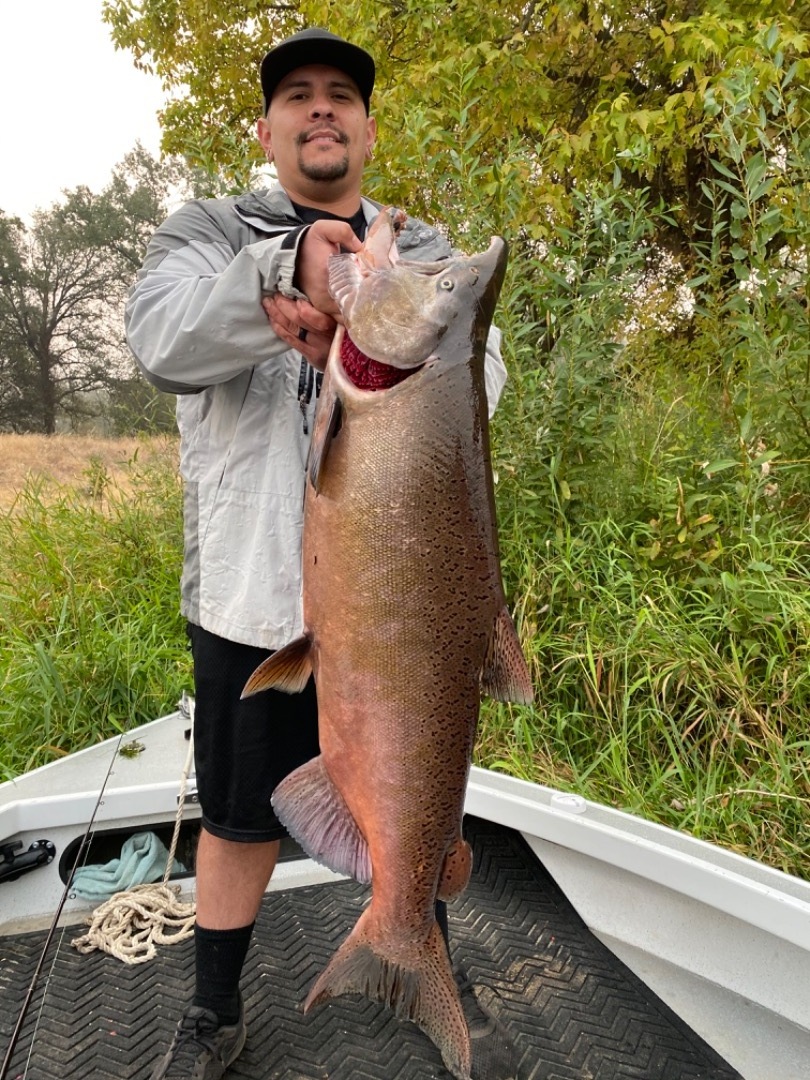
(370, 375)
(396, 311)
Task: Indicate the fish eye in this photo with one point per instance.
(446, 283)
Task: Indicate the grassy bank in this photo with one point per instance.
(91, 642)
(52, 463)
(668, 699)
(681, 696)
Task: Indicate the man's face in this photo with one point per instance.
(317, 132)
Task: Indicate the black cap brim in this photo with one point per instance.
(316, 46)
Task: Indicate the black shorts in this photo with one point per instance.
(243, 749)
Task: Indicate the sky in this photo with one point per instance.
(72, 105)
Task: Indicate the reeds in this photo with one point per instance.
(666, 697)
(91, 642)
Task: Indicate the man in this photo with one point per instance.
(232, 312)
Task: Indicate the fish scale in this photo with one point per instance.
(405, 618)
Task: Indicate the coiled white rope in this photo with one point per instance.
(131, 924)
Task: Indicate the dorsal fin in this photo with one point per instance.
(504, 674)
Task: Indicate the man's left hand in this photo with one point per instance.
(302, 327)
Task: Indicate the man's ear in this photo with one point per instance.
(264, 137)
(371, 137)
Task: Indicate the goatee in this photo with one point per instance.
(333, 170)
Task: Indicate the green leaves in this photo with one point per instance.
(587, 92)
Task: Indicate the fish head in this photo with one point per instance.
(397, 311)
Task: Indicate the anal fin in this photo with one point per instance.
(504, 673)
(456, 870)
(316, 815)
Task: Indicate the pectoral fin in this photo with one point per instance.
(288, 669)
(321, 449)
(504, 674)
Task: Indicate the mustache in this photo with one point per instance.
(319, 129)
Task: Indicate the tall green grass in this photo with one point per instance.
(685, 704)
(91, 642)
(652, 456)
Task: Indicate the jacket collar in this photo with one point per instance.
(271, 207)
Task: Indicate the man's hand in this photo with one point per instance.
(302, 326)
(322, 239)
(309, 325)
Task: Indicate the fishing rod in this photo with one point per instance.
(81, 852)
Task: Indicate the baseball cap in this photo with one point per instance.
(317, 46)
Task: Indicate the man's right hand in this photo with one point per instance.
(322, 239)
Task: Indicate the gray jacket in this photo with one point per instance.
(246, 401)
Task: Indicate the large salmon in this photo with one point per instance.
(405, 619)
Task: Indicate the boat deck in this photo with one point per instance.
(574, 1010)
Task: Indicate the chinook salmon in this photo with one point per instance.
(404, 614)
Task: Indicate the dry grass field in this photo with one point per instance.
(60, 461)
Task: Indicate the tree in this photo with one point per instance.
(63, 280)
(122, 218)
(523, 118)
(54, 315)
(586, 90)
(18, 389)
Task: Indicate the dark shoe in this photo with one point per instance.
(201, 1049)
(494, 1054)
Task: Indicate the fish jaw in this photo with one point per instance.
(391, 314)
(379, 250)
(490, 268)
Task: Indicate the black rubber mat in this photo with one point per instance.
(574, 1011)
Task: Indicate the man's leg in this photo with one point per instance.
(243, 749)
(495, 1055)
(231, 880)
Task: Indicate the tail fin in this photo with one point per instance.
(421, 989)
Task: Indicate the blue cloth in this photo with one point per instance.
(143, 860)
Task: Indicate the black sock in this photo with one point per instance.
(220, 955)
